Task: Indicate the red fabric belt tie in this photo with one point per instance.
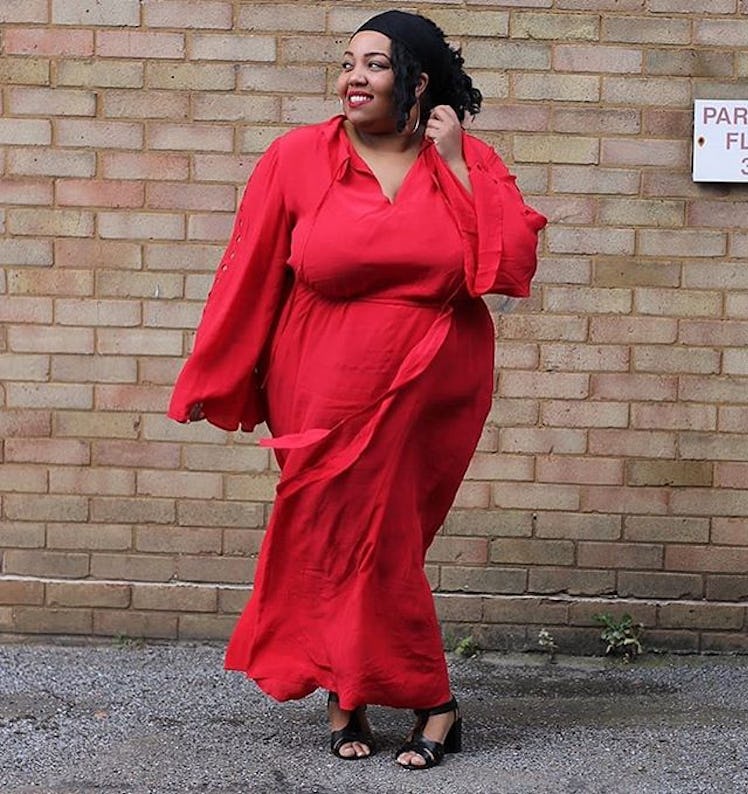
(416, 362)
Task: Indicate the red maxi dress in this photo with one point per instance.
(352, 325)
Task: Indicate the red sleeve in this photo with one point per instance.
(502, 229)
(240, 310)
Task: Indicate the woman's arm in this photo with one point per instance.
(219, 382)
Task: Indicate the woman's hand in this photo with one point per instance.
(196, 413)
(445, 131)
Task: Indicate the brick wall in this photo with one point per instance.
(612, 473)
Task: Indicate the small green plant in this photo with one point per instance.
(621, 636)
(547, 644)
(467, 647)
(126, 643)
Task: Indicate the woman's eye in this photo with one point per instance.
(377, 65)
(346, 66)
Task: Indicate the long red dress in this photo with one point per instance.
(355, 328)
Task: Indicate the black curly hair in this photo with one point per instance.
(453, 86)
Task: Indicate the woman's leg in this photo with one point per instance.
(340, 720)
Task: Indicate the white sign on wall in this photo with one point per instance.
(720, 140)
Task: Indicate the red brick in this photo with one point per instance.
(94, 369)
(89, 536)
(708, 501)
(25, 424)
(458, 607)
(465, 551)
(532, 551)
(498, 523)
(88, 594)
(201, 137)
(674, 416)
(24, 11)
(730, 531)
(646, 584)
(33, 162)
(571, 581)
(175, 598)
(727, 588)
(96, 12)
(64, 283)
(46, 620)
(146, 165)
(713, 642)
(61, 565)
(99, 193)
(525, 610)
(131, 398)
(22, 479)
(206, 627)
(244, 542)
(162, 539)
(599, 121)
(48, 450)
(621, 499)
(542, 440)
(701, 616)
(640, 152)
(713, 333)
(225, 570)
(136, 567)
(731, 475)
(139, 44)
(163, 195)
(18, 591)
(46, 507)
(26, 191)
(665, 529)
(569, 469)
(706, 559)
(37, 41)
(112, 452)
(582, 613)
(129, 624)
(595, 58)
(186, 14)
(102, 482)
(21, 534)
(97, 253)
(118, 509)
(26, 252)
(573, 526)
(27, 368)
(232, 599)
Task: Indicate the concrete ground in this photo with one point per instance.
(129, 719)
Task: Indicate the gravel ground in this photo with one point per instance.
(167, 718)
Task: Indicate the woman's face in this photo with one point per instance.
(366, 82)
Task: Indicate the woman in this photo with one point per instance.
(345, 313)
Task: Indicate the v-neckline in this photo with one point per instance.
(391, 201)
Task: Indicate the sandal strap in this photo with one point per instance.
(444, 708)
(346, 736)
(432, 752)
(352, 732)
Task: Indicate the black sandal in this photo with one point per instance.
(433, 752)
(354, 731)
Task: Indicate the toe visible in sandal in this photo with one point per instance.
(356, 731)
(430, 750)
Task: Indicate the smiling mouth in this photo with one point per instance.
(357, 99)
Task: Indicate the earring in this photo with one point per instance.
(418, 118)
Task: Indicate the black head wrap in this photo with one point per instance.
(419, 36)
